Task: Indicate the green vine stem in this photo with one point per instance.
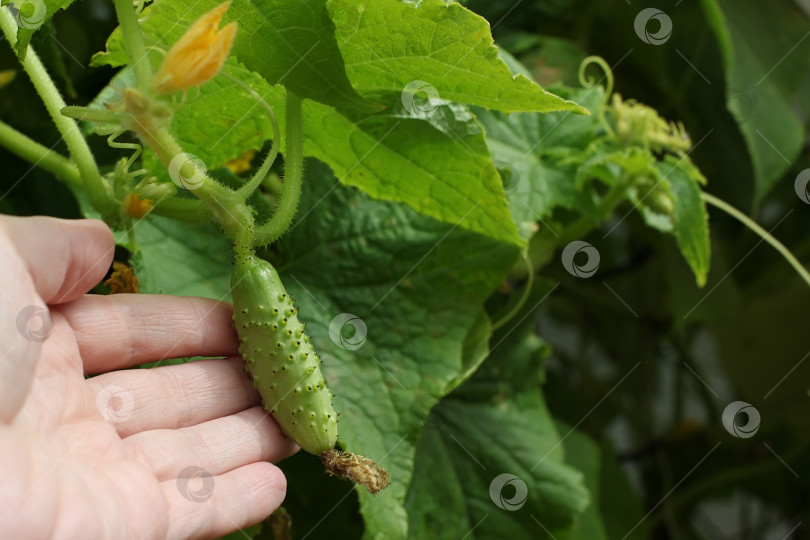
(229, 210)
(190, 210)
(133, 43)
(94, 184)
(33, 152)
(527, 291)
(87, 114)
(65, 170)
(609, 202)
(247, 190)
(293, 176)
(762, 233)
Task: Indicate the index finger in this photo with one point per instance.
(124, 330)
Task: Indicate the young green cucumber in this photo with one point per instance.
(280, 357)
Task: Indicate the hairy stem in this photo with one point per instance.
(94, 184)
(133, 43)
(33, 152)
(190, 210)
(293, 176)
(228, 209)
(762, 233)
(247, 190)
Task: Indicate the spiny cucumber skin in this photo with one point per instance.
(280, 357)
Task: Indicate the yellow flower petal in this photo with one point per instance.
(198, 54)
(135, 207)
(242, 163)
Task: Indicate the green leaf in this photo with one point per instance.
(218, 121)
(289, 42)
(550, 160)
(439, 166)
(292, 42)
(397, 50)
(615, 509)
(767, 59)
(182, 259)
(495, 424)
(620, 506)
(691, 227)
(222, 120)
(543, 150)
(436, 161)
(30, 16)
(418, 286)
(582, 454)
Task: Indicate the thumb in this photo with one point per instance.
(42, 260)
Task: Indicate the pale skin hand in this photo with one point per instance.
(101, 457)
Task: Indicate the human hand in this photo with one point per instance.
(171, 452)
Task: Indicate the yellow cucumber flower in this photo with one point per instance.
(198, 54)
(242, 163)
(135, 207)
